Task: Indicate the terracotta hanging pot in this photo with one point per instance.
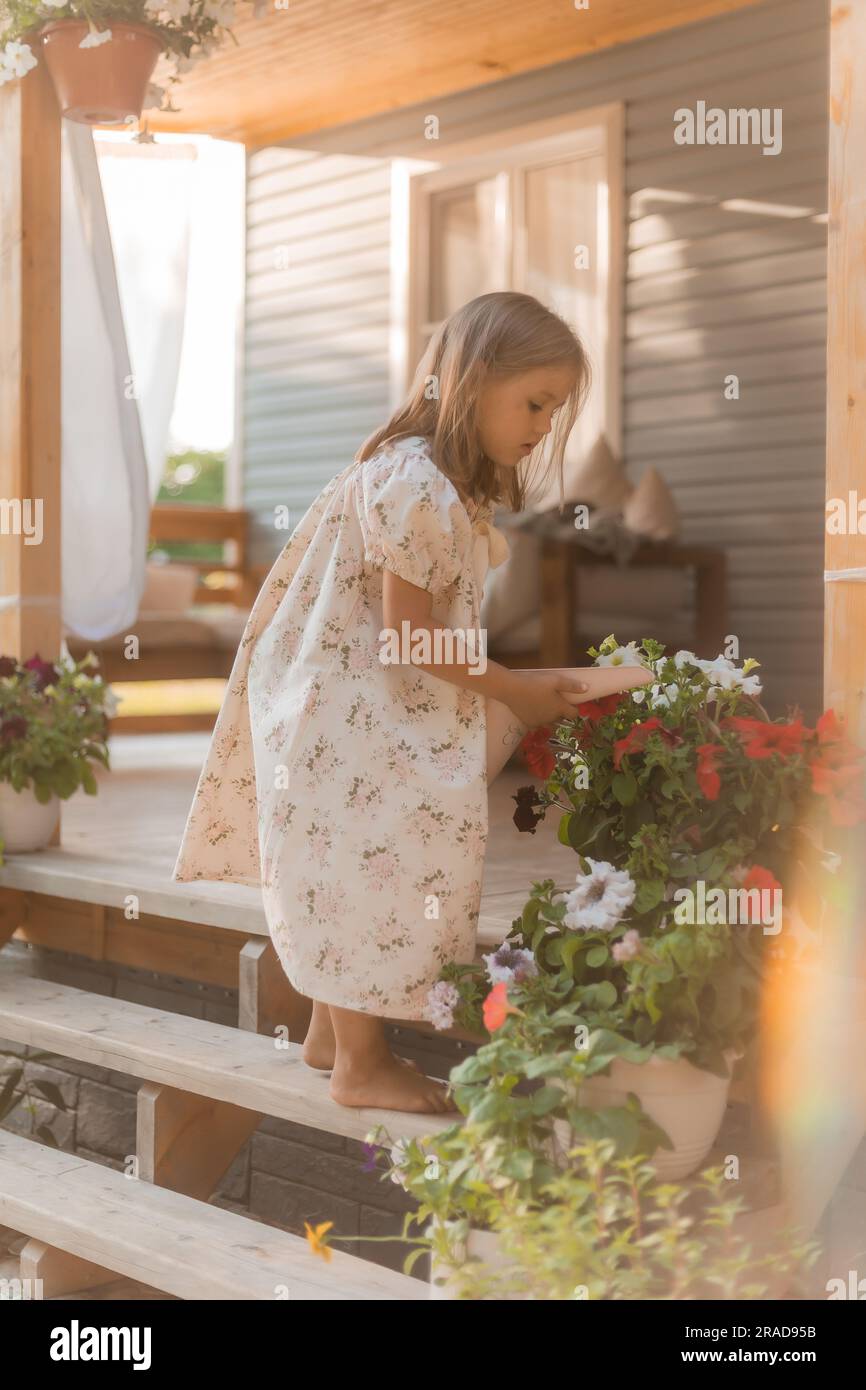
(103, 85)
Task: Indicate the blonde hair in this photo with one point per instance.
(500, 334)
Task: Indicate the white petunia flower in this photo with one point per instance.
(16, 60)
(442, 1000)
(510, 963)
(599, 899)
(638, 696)
(724, 675)
(657, 698)
(622, 656)
(684, 658)
(95, 38)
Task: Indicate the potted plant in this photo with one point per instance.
(512, 1092)
(101, 54)
(607, 1228)
(53, 724)
(692, 815)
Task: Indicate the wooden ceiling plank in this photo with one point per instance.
(298, 71)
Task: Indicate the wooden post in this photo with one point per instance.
(30, 363)
(30, 572)
(845, 599)
(819, 1031)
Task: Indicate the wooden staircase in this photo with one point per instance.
(205, 1088)
(90, 1224)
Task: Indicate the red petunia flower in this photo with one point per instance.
(13, 728)
(829, 727)
(843, 788)
(709, 780)
(636, 738)
(537, 752)
(761, 739)
(496, 1007)
(765, 881)
(835, 749)
(591, 710)
(761, 878)
(46, 672)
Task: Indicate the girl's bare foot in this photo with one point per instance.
(390, 1084)
(320, 1045)
(366, 1072)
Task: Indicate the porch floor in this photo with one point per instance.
(125, 840)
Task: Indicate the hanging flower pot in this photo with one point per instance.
(105, 82)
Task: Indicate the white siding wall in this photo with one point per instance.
(711, 289)
(315, 373)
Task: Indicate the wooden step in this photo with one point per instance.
(190, 1055)
(170, 1241)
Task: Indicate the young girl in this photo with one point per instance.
(354, 789)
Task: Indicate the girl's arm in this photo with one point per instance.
(536, 697)
(405, 602)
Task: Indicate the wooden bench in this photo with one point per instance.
(561, 563)
(199, 643)
(560, 639)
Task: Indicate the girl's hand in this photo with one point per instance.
(559, 691)
(544, 697)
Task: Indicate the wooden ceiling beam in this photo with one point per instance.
(313, 66)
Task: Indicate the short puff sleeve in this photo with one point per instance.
(411, 517)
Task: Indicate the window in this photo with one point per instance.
(538, 210)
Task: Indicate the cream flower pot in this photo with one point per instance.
(480, 1245)
(25, 823)
(688, 1104)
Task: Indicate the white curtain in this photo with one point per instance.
(122, 331)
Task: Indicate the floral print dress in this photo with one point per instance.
(355, 792)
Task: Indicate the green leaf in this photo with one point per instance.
(600, 996)
(649, 894)
(597, 956)
(624, 787)
(546, 1099)
(519, 1165)
(569, 948)
(543, 1066)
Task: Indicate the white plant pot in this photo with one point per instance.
(688, 1104)
(481, 1245)
(25, 823)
